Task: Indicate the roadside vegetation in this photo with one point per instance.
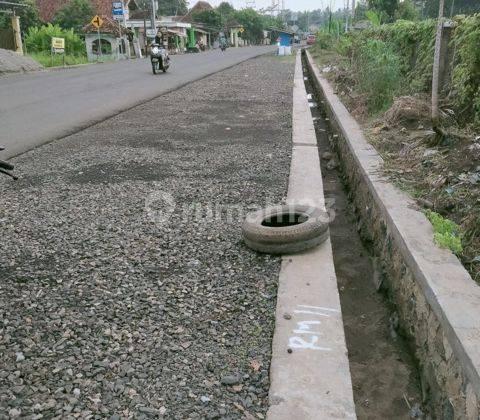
(383, 73)
(69, 20)
(38, 41)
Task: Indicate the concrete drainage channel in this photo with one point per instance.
(432, 301)
(384, 374)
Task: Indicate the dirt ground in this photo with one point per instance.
(384, 375)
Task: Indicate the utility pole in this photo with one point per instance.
(152, 16)
(436, 67)
(347, 16)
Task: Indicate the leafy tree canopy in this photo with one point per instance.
(385, 8)
(28, 15)
(75, 14)
(172, 7)
(210, 18)
(253, 23)
(225, 9)
(430, 7)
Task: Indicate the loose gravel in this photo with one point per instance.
(108, 312)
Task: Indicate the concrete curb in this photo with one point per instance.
(438, 302)
(310, 376)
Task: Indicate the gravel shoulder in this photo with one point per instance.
(108, 312)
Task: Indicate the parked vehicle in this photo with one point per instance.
(6, 168)
(159, 58)
(311, 39)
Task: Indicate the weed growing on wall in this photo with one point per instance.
(447, 234)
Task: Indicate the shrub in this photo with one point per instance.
(324, 40)
(447, 234)
(379, 73)
(466, 74)
(39, 40)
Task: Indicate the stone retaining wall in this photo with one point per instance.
(437, 302)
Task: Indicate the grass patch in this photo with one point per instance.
(45, 59)
(447, 234)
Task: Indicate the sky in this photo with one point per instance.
(297, 5)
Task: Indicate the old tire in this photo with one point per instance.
(285, 229)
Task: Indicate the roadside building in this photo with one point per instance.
(111, 43)
(199, 34)
(284, 39)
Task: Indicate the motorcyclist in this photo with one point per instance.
(161, 39)
(223, 43)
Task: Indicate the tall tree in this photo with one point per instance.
(210, 18)
(75, 14)
(253, 23)
(225, 9)
(456, 7)
(172, 7)
(28, 15)
(387, 8)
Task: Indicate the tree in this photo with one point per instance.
(75, 14)
(253, 24)
(386, 8)
(28, 15)
(225, 9)
(172, 8)
(210, 18)
(455, 7)
(407, 11)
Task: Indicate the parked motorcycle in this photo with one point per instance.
(159, 58)
(6, 168)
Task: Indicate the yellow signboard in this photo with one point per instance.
(97, 21)
(58, 43)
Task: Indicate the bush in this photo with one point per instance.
(39, 40)
(447, 234)
(324, 40)
(466, 74)
(379, 73)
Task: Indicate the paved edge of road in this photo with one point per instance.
(437, 300)
(91, 123)
(310, 374)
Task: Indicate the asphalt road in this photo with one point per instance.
(41, 107)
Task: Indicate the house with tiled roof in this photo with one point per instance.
(48, 8)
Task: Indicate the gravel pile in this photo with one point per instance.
(12, 62)
(108, 312)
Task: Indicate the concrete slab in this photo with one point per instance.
(310, 376)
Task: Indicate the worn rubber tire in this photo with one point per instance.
(285, 239)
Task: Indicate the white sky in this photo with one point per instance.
(298, 5)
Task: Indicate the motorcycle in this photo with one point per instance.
(6, 168)
(223, 47)
(159, 58)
